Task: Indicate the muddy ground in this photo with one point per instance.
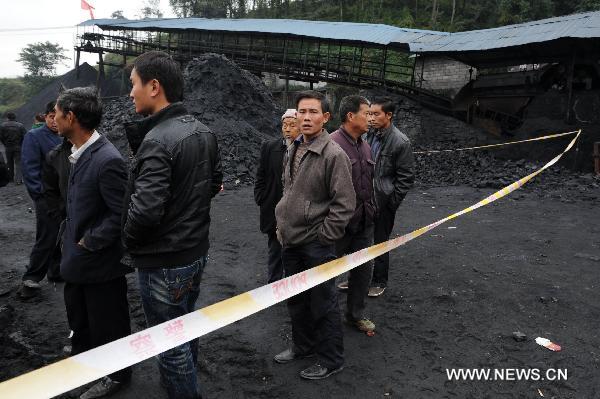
(527, 263)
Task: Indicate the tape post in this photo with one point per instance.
(70, 373)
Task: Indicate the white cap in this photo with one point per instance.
(289, 113)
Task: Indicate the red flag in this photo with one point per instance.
(87, 6)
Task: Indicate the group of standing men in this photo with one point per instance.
(109, 216)
(322, 196)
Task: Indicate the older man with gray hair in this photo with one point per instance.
(268, 188)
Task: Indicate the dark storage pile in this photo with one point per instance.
(232, 102)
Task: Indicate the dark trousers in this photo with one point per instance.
(13, 163)
(275, 271)
(384, 223)
(315, 313)
(45, 254)
(98, 314)
(359, 278)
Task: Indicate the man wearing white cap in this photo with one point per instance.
(268, 188)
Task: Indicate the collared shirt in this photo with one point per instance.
(301, 150)
(76, 152)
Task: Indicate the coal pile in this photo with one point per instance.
(232, 102)
(87, 77)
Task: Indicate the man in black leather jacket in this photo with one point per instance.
(176, 172)
(394, 176)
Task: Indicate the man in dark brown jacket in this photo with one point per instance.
(318, 202)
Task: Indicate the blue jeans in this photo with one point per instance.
(167, 294)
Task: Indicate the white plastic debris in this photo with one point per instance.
(546, 343)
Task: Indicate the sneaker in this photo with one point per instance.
(289, 355)
(364, 325)
(343, 286)
(106, 386)
(376, 291)
(318, 372)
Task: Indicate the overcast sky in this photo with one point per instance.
(27, 21)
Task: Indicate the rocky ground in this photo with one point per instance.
(527, 263)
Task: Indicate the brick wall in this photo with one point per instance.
(441, 74)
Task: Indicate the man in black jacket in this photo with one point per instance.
(393, 178)
(176, 172)
(268, 188)
(55, 179)
(95, 286)
(11, 135)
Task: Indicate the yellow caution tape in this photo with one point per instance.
(83, 368)
(551, 136)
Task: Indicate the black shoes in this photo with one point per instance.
(289, 355)
(29, 289)
(105, 387)
(318, 372)
(376, 291)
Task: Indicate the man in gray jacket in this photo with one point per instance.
(393, 178)
(318, 202)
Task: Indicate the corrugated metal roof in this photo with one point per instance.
(347, 31)
(584, 25)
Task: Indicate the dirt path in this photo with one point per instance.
(457, 294)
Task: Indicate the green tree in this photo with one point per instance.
(203, 8)
(118, 14)
(40, 61)
(12, 94)
(588, 5)
(151, 9)
(42, 58)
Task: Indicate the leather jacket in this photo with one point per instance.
(394, 167)
(176, 171)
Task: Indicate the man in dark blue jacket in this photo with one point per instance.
(95, 286)
(44, 258)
